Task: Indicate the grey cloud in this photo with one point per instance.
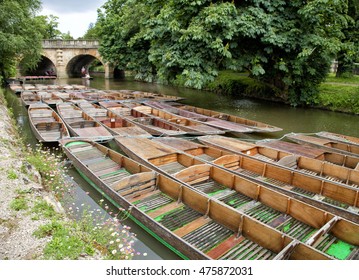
(72, 6)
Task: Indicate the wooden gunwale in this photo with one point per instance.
(219, 213)
(325, 144)
(55, 128)
(81, 124)
(339, 137)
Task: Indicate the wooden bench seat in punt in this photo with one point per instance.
(92, 131)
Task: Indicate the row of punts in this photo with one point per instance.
(214, 197)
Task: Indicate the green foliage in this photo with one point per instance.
(349, 52)
(19, 203)
(12, 174)
(287, 45)
(49, 26)
(93, 32)
(20, 37)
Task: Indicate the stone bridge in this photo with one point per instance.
(65, 58)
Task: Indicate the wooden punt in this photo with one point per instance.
(46, 123)
(230, 123)
(198, 227)
(49, 98)
(325, 144)
(191, 126)
(339, 137)
(285, 176)
(29, 97)
(234, 190)
(81, 124)
(117, 125)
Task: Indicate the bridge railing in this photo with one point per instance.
(81, 44)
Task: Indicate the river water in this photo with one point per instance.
(289, 118)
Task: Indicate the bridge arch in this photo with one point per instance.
(74, 66)
(46, 66)
(69, 56)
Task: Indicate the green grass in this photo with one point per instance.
(331, 78)
(339, 98)
(19, 203)
(42, 209)
(71, 239)
(12, 174)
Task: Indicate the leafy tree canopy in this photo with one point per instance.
(288, 45)
(20, 37)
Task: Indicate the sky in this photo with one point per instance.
(74, 15)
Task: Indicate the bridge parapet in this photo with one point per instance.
(70, 44)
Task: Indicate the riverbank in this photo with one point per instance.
(336, 94)
(34, 190)
(18, 194)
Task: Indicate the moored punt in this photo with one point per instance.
(114, 123)
(81, 124)
(198, 228)
(325, 144)
(191, 126)
(249, 198)
(46, 123)
(339, 137)
(49, 98)
(29, 97)
(322, 192)
(230, 123)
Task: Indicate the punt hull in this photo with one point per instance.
(51, 125)
(274, 244)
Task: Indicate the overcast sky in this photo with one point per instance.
(74, 16)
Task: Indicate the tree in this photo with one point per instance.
(66, 36)
(123, 40)
(20, 38)
(49, 26)
(93, 32)
(349, 52)
(288, 45)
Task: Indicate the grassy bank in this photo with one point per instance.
(336, 94)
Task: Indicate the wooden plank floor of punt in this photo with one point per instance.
(225, 246)
(208, 236)
(247, 250)
(172, 167)
(209, 187)
(178, 217)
